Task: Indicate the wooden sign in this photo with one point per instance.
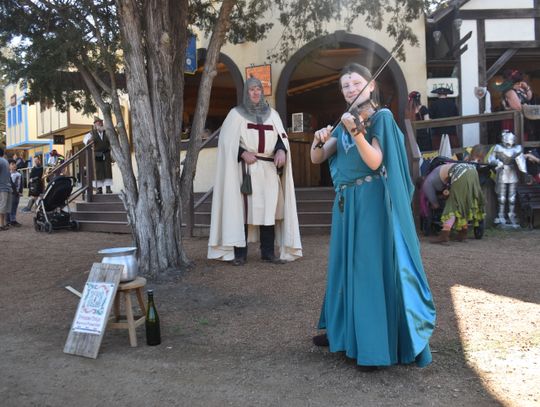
(92, 314)
(262, 73)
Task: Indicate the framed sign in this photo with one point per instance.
(450, 83)
(262, 73)
(95, 302)
(190, 65)
(88, 326)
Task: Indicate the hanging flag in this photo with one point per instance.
(190, 66)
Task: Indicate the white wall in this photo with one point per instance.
(469, 79)
(517, 29)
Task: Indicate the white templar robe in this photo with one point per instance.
(273, 200)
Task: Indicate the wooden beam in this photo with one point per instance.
(496, 14)
(346, 52)
(499, 63)
(512, 44)
(459, 120)
(312, 85)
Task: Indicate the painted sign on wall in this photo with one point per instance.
(435, 83)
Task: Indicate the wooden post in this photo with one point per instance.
(89, 176)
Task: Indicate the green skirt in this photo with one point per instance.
(466, 200)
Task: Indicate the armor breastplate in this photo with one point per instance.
(508, 156)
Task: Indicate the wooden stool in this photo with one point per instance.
(128, 321)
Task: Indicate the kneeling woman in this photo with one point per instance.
(378, 307)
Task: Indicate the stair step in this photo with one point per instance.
(107, 216)
(106, 198)
(100, 206)
(105, 226)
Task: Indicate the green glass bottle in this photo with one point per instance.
(153, 332)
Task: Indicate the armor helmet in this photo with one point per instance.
(508, 138)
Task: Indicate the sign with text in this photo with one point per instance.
(262, 73)
(95, 301)
(88, 327)
(449, 83)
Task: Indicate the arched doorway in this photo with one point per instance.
(308, 84)
(226, 90)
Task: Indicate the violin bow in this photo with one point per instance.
(320, 144)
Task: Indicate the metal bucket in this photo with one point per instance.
(125, 256)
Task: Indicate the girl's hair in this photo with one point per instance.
(513, 75)
(361, 70)
(412, 104)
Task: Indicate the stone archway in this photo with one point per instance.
(342, 37)
(227, 89)
(308, 85)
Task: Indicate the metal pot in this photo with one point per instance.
(125, 256)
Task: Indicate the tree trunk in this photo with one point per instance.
(155, 85)
(217, 39)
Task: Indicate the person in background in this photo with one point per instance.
(417, 111)
(35, 184)
(102, 156)
(19, 160)
(533, 165)
(16, 180)
(440, 108)
(5, 192)
(460, 186)
(55, 158)
(516, 92)
(253, 145)
(378, 306)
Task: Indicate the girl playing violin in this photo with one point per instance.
(378, 307)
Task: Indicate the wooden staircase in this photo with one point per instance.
(314, 207)
(107, 213)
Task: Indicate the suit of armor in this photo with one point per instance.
(509, 159)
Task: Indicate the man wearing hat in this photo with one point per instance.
(102, 156)
(440, 108)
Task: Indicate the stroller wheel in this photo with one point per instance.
(479, 230)
(37, 226)
(48, 227)
(74, 225)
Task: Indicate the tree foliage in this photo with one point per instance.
(86, 53)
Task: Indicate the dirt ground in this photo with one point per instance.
(241, 336)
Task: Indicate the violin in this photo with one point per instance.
(362, 115)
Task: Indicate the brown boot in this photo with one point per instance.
(462, 235)
(443, 237)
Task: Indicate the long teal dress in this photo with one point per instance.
(378, 307)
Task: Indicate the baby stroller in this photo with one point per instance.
(50, 213)
(430, 219)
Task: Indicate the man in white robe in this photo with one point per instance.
(253, 140)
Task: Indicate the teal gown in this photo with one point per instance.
(378, 307)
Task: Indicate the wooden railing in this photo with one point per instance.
(85, 160)
(192, 205)
(411, 127)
